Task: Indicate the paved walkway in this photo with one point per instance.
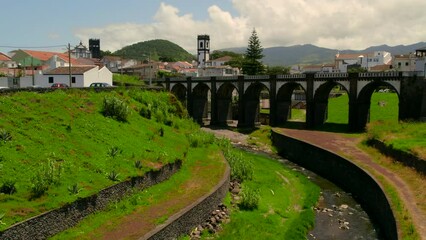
(347, 146)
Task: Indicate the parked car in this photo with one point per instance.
(59, 85)
(100, 85)
(3, 87)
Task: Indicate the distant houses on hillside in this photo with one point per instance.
(26, 68)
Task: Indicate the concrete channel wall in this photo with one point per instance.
(50, 223)
(346, 175)
(198, 212)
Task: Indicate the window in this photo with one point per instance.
(406, 63)
(50, 79)
(72, 79)
(201, 44)
(399, 64)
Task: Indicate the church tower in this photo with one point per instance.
(203, 50)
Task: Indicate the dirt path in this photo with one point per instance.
(347, 147)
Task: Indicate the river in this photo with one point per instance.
(338, 215)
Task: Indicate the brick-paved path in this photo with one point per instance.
(347, 146)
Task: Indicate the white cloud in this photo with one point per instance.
(341, 24)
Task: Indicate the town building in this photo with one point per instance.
(81, 76)
(81, 51)
(421, 61)
(203, 50)
(404, 62)
(363, 60)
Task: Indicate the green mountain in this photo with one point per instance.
(311, 54)
(158, 49)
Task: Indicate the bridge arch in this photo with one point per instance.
(179, 90)
(225, 97)
(200, 102)
(284, 101)
(320, 102)
(364, 100)
(251, 107)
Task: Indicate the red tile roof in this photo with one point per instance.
(4, 57)
(44, 56)
(76, 70)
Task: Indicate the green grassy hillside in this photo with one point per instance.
(157, 49)
(59, 146)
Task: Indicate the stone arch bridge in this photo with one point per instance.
(197, 92)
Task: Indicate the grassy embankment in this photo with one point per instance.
(384, 126)
(63, 136)
(285, 203)
(59, 146)
(126, 80)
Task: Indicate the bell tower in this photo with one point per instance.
(203, 50)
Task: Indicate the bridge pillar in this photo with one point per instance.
(168, 85)
(214, 103)
(241, 103)
(189, 97)
(310, 103)
(273, 101)
(412, 100)
(353, 117)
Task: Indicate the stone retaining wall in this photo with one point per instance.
(193, 215)
(405, 158)
(346, 175)
(55, 221)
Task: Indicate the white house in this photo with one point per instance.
(364, 60)
(404, 63)
(81, 76)
(218, 61)
(218, 71)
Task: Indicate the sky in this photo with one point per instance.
(337, 24)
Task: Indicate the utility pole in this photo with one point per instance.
(32, 68)
(69, 63)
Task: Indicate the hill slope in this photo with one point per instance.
(311, 54)
(155, 50)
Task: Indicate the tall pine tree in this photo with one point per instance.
(252, 64)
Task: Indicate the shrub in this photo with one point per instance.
(5, 135)
(241, 169)
(200, 139)
(115, 108)
(146, 111)
(249, 198)
(39, 187)
(138, 164)
(113, 176)
(49, 174)
(74, 189)
(114, 151)
(8, 187)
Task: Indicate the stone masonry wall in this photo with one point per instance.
(55, 221)
(346, 175)
(193, 215)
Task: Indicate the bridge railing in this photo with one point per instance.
(331, 75)
(379, 74)
(291, 76)
(255, 77)
(227, 78)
